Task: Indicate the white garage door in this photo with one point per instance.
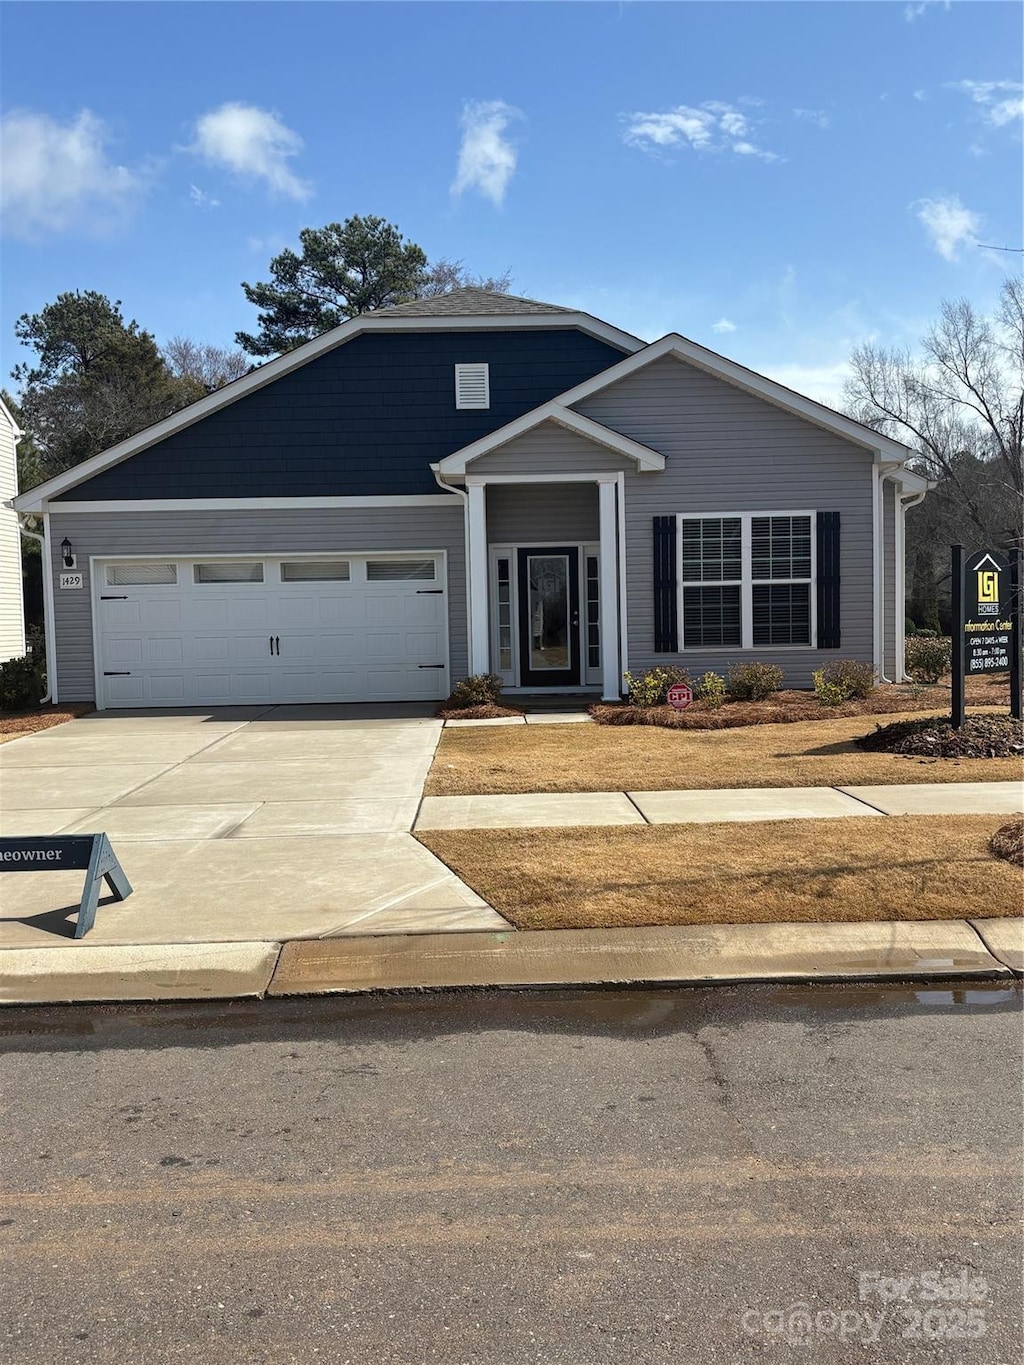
(218, 632)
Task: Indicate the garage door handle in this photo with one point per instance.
(430, 665)
(125, 673)
(122, 598)
(277, 643)
(421, 592)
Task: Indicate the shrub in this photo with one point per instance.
(651, 688)
(35, 640)
(711, 689)
(754, 682)
(481, 689)
(842, 681)
(21, 684)
(1008, 842)
(928, 658)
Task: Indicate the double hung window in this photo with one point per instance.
(746, 580)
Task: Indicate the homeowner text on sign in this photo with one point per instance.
(90, 853)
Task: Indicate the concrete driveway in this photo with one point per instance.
(236, 824)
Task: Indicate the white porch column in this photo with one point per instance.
(611, 681)
(476, 581)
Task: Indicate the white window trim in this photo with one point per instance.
(471, 369)
(746, 582)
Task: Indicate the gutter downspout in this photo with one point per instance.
(464, 495)
(48, 604)
(903, 503)
(880, 472)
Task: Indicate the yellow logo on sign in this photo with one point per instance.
(988, 586)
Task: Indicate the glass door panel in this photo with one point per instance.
(549, 617)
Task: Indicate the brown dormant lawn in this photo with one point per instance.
(914, 867)
(589, 758)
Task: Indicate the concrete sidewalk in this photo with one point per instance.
(547, 809)
(699, 954)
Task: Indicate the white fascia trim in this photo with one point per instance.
(758, 384)
(31, 501)
(556, 412)
(253, 504)
(5, 412)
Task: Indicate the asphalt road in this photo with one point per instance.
(655, 1176)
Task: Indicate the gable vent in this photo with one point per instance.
(472, 386)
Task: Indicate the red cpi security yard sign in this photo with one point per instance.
(680, 695)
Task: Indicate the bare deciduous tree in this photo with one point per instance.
(960, 402)
(203, 366)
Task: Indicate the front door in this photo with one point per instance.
(549, 617)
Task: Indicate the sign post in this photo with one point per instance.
(986, 624)
(90, 853)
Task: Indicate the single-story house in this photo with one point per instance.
(467, 484)
(12, 604)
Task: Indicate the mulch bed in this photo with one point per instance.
(793, 705)
(486, 711)
(40, 718)
(934, 737)
(1008, 842)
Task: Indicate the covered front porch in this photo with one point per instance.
(545, 581)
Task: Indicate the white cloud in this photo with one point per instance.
(914, 11)
(723, 325)
(252, 143)
(710, 127)
(949, 224)
(819, 117)
(58, 176)
(921, 96)
(201, 199)
(1001, 102)
(821, 382)
(487, 157)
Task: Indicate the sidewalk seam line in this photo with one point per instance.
(845, 791)
(643, 817)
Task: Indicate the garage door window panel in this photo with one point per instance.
(400, 570)
(223, 572)
(144, 574)
(315, 571)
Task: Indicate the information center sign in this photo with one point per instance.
(986, 622)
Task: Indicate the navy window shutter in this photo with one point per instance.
(666, 600)
(828, 580)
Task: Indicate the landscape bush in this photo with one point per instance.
(21, 684)
(651, 688)
(842, 681)
(753, 681)
(711, 689)
(480, 689)
(928, 658)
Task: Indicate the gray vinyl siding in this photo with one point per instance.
(250, 532)
(727, 450)
(530, 514)
(549, 449)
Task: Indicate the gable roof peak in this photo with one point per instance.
(470, 301)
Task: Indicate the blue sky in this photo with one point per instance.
(778, 181)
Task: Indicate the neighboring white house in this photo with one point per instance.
(12, 606)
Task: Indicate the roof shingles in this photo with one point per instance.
(470, 302)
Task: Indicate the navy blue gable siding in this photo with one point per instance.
(366, 418)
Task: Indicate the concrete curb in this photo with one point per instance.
(152, 971)
(680, 955)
